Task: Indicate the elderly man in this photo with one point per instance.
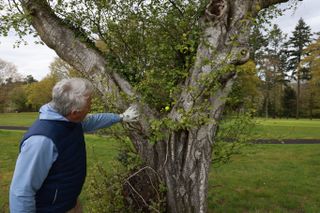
(51, 167)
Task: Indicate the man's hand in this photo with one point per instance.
(130, 115)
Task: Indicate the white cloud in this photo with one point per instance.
(32, 59)
(308, 10)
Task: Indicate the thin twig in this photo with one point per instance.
(145, 203)
(143, 168)
(127, 181)
(17, 6)
(176, 6)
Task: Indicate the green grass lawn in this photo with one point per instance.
(98, 149)
(267, 129)
(8, 153)
(266, 178)
(288, 128)
(18, 119)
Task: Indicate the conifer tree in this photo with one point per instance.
(300, 38)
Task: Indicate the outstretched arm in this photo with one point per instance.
(99, 120)
(102, 120)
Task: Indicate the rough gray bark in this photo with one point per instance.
(183, 158)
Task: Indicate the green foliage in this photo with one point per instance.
(29, 79)
(116, 187)
(105, 190)
(312, 61)
(152, 44)
(97, 104)
(266, 15)
(276, 58)
(13, 97)
(257, 42)
(298, 41)
(289, 102)
(18, 98)
(312, 64)
(245, 95)
(273, 69)
(13, 19)
(159, 87)
(121, 186)
(27, 94)
(39, 93)
(233, 134)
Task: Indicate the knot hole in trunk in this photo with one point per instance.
(216, 9)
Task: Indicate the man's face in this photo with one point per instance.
(79, 115)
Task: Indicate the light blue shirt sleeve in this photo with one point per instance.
(99, 120)
(37, 155)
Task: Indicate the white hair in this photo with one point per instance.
(70, 94)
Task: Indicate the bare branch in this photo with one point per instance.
(176, 6)
(268, 3)
(16, 6)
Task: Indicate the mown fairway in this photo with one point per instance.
(266, 128)
(264, 178)
(8, 153)
(268, 178)
(288, 128)
(98, 149)
(18, 119)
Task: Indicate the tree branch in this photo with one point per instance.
(268, 3)
(72, 46)
(176, 6)
(16, 6)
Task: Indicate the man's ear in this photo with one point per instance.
(73, 115)
(74, 112)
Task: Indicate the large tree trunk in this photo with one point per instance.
(188, 162)
(183, 158)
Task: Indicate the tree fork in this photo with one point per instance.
(183, 158)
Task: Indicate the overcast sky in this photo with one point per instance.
(35, 59)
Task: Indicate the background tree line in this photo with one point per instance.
(281, 79)
(24, 94)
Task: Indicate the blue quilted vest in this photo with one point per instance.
(61, 188)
